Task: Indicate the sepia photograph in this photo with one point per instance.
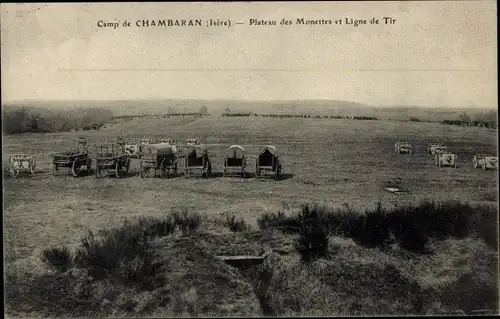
(250, 159)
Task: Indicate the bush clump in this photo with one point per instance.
(59, 258)
(287, 224)
(235, 225)
(313, 240)
(410, 226)
(125, 253)
(187, 222)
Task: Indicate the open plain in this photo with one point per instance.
(333, 162)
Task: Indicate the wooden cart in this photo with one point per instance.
(268, 162)
(21, 163)
(402, 148)
(446, 159)
(434, 149)
(235, 161)
(160, 157)
(72, 160)
(197, 159)
(485, 161)
(111, 159)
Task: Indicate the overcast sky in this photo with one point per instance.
(437, 53)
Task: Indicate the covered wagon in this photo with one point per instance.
(485, 161)
(268, 162)
(160, 157)
(73, 160)
(235, 161)
(197, 159)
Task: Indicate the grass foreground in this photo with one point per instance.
(433, 258)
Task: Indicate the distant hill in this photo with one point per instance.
(321, 107)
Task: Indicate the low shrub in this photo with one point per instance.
(313, 240)
(287, 224)
(370, 230)
(124, 253)
(119, 254)
(187, 222)
(235, 225)
(410, 226)
(59, 258)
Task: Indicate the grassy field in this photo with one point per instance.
(331, 162)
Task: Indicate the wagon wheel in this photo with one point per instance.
(89, 164)
(55, 169)
(164, 168)
(118, 169)
(75, 168)
(121, 168)
(206, 172)
(13, 172)
(143, 172)
(278, 172)
(33, 166)
(127, 166)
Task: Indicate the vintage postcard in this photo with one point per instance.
(250, 159)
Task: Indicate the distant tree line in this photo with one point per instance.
(18, 120)
(300, 116)
(195, 114)
(236, 114)
(488, 124)
(488, 120)
(128, 117)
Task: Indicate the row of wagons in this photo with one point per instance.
(443, 157)
(160, 157)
